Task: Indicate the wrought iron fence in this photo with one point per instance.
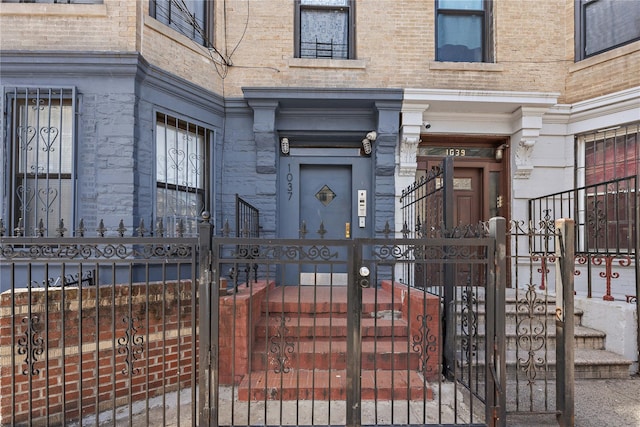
(607, 235)
(98, 330)
(353, 345)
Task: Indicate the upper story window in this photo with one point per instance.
(192, 18)
(602, 25)
(182, 172)
(324, 29)
(464, 31)
(42, 153)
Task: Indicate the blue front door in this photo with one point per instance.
(325, 200)
(317, 202)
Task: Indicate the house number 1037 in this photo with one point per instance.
(290, 183)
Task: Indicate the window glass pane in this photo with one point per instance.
(185, 16)
(181, 173)
(45, 135)
(609, 23)
(461, 4)
(180, 157)
(49, 200)
(460, 38)
(324, 33)
(173, 206)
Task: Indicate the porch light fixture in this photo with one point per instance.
(500, 151)
(366, 142)
(284, 146)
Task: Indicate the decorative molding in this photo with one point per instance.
(528, 120)
(523, 159)
(408, 152)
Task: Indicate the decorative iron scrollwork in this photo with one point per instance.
(469, 324)
(281, 345)
(131, 345)
(31, 345)
(425, 343)
(531, 332)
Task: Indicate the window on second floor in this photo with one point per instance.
(192, 18)
(324, 29)
(182, 172)
(602, 25)
(42, 149)
(464, 31)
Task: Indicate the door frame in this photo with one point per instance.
(456, 146)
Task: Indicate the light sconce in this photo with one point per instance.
(366, 146)
(284, 146)
(366, 142)
(500, 151)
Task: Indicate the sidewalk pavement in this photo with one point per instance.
(598, 403)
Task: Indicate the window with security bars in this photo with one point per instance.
(183, 152)
(192, 18)
(602, 25)
(324, 29)
(42, 150)
(464, 31)
(608, 165)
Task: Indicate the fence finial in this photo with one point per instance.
(61, 228)
(81, 228)
(101, 228)
(19, 230)
(40, 229)
(160, 228)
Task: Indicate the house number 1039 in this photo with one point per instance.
(459, 152)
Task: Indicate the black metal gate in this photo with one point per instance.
(362, 347)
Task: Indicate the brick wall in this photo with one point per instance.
(534, 47)
(91, 348)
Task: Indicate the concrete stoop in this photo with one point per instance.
(591, 359)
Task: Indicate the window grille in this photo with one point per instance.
(324, 29)
(183, 152)
(192, 18)
(42, 152)
(605, 160)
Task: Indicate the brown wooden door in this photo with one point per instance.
(469, 195)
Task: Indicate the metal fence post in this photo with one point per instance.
(565, 266)
(495, 343)
(449, 272)
(207, 293)
(357, 274)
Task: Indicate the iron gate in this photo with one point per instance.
(361, 347)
